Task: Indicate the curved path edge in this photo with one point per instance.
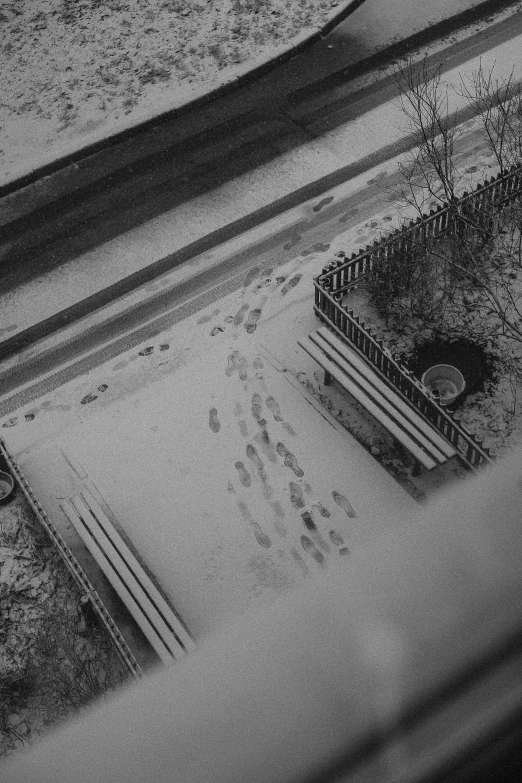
(349, 6)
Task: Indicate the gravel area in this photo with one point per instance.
(54, 661)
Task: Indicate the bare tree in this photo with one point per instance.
(498, 105)
(477, 258)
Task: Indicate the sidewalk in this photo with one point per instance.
(30, 142)
(317, 176)
(230, 484)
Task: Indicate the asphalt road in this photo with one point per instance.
(140, 191)
(103, 342)
(194, 156)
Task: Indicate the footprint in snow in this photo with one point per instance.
(289, 460)
(263, 439)
(244, 475)
(335, 538)
(323, 203)
(251, 276)
(311, 526)
(242, 368)
(253, 317)
(256, 407)
(88, 398)
(344, 504)
(261, 537)
(322, 510)
(296, 495)
(310, 548)
(291, 284)
(240, 315)
(213, 420)
(273, 406)
(206, 318)
(254, 457)
(232, 363)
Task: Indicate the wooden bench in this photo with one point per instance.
(162, 627)
(386, 405)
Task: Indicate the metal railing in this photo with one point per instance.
(75, 569)
(350, 328)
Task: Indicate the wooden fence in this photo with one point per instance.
(492, 195)
(340, 275)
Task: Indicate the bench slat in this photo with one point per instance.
(369, 392)
(122, 579)
(372, 408)
(371, 376)
(169, 616)
(404, 420)
(115, 580)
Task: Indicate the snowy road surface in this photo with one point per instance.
(117, 240)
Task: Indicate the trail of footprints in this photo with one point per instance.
(245, 316)
(313, 542)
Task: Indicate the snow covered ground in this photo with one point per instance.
(74, 71)
(78, 71)
(233, 483)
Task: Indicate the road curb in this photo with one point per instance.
(370, 63)
(349, 6)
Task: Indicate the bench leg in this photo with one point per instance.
(327, 378)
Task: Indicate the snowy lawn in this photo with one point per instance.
(232, 487)
(76, 71)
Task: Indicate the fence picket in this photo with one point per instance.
(342, 272)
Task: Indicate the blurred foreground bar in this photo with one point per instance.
(404, 664)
